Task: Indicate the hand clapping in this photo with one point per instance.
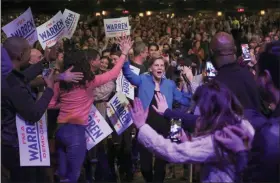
(125, 44)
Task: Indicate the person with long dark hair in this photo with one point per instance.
(75, 101)
(219, 108)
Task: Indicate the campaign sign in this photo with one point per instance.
(33, 142)
(115, 27)
(118, 112)
(22, 26)
(51, 31)
(71, 21)
(124, 86)
(97, 128)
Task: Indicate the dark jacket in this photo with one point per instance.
(241, 165)
(17, 98)
(6, 64)
(264, 165)
(241, 82)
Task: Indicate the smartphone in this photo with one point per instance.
(46, 69)
(46, 72)
(245, 52)
(175, 130)
(210, 70)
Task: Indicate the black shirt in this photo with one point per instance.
(17, 98)
(142, 68)
(160, 124)
(241, 82)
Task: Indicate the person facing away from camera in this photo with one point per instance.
(219, 108)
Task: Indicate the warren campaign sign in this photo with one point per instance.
(118, 112)
(22, 26)
(115, 27)
(97, 128)
(33, 142)
(124, 86)
(71, 21)
(51, 31)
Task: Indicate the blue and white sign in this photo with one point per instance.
(33, 142)
(115, 27)
(118, 112)
(22, 26)
(71, 21)
(124, 86)
(97, 128)
(51, 31)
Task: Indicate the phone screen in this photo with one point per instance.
(210, 70)
(245, 52)
(175, 130)
(46, 69)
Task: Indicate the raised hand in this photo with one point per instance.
(69, 76)
(161, 104)
(125, 44)
(139, 115)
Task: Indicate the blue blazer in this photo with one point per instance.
(146, 88)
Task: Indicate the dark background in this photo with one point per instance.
(176, 6)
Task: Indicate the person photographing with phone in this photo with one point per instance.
(18, 99)
(215, 115)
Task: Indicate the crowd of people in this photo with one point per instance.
(230, 120)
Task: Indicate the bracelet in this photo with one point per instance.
(124, 54)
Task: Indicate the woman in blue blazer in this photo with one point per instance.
(148, 85)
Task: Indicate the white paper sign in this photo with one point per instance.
(71, 21)
(97, 128)
(118, 113)
(33, 142)
(116, 26)
(51, 31)
(124, 86)
(22, 26)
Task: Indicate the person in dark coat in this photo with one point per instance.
(6, 63)
(239, 80)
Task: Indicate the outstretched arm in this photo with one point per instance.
(101, 79)
(125, 46)
(188, 120)
(133, 78)
(197, 151)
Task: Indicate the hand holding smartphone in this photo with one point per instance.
(245, 52)
(175, 130)
(210, 70)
